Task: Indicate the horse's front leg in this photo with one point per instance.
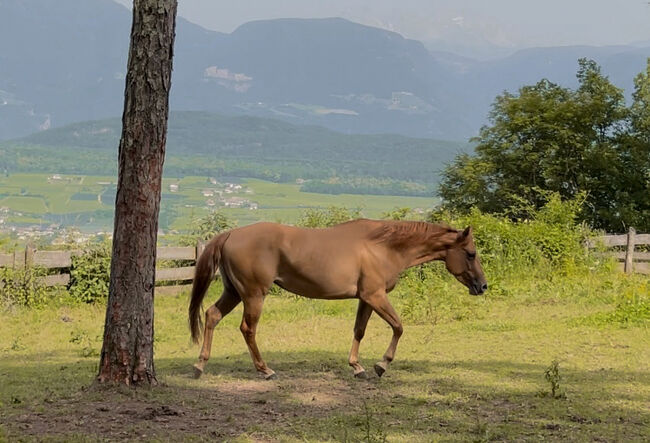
(364, 311)
(380, 303)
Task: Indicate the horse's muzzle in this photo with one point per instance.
(478, 288)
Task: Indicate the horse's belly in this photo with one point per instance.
(321, 288)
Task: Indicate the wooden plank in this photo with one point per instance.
(608, 240)
(176, 253)
(7, 260)
(165, 274)
(56, 279)
(642, 268)
(19, 259)
(642, 239)
(638, 256)
(618, 240)
(53, 259)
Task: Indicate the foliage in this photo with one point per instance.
(572, 142)
(212, 224)
(549, 234)
(404, 213)
(22, 287)
(553, 377)
(323, 218)
(90, 273)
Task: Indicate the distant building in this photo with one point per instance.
(173, 187)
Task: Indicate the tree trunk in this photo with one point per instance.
(127, 352)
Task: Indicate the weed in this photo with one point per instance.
(553, 377)
(372, 429)
(88, 346)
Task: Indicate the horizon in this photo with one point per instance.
(467, 27)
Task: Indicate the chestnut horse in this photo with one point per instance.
(359, 259)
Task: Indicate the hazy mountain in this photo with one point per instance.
(65, 61)
(200, 143)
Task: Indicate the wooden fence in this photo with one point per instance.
(62, 261)
(630, 260)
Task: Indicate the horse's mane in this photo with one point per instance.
(403, 234)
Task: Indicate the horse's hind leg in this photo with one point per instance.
(229, 299)
(252, 312)
(364, 311)
(380, 303)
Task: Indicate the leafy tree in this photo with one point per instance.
(210, 225)
(551, 138)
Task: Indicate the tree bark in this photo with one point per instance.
(127, 351)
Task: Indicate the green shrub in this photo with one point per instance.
(550, 238)
(90, 273)
(22, 287)
(323, 218)
(203, 228)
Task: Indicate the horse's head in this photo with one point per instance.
(463, 262)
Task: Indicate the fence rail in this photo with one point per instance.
(62, 261)
(630, 260)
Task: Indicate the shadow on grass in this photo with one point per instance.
(315, 397)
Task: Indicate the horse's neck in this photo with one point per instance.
(423, 250)
(420, 254)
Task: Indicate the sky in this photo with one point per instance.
(505, 23)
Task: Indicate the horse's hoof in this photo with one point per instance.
(363, 375)
(379, 369)
(270, 376)
(198, 372)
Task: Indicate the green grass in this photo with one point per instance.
(470, 370)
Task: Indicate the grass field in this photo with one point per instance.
(86, 201)
(472, 370)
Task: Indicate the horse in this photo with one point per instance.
(359, 259)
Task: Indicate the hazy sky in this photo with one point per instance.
(510, 23)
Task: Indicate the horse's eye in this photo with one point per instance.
(471, 255)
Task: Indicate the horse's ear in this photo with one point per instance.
(462, 237)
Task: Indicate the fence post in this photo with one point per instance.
(629, 253)
(30, 250)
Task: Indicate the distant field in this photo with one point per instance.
(86, 201)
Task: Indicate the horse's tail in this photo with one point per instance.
(206, 267)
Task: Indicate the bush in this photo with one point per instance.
(323, 218)
(22, 287)
(549, 236)
(90, 273)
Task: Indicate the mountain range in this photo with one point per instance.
(65, 61)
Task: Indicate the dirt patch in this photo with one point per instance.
(216, 410)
